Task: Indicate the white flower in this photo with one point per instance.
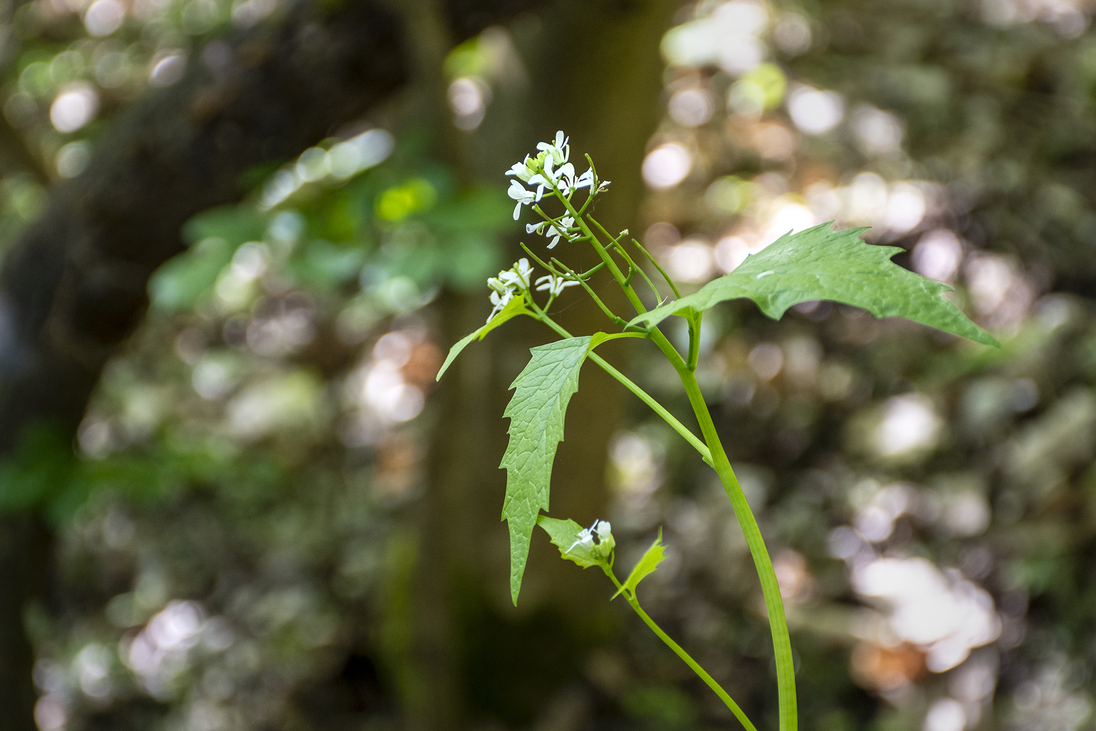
(559, 152)
(522, 170)
(569, 185)
(549, 170)
(562, 228)
(497, 285)
(541, 181)
(499, 300)
(603, 533)
(553, 284)
(556, 229)
(521, 195)
(517, 277)
(564, 175)
(507, 284)
(585, 180)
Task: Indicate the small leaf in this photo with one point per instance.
(565, 535)
(513, 308)
(646, 566)
(823, 264)
(536, 414)
(598, 338)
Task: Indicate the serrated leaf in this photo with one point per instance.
(823, 264)
(565, 535)
(646, 566)
(513, 308)
(536, 414)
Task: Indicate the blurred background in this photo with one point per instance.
(240, 235)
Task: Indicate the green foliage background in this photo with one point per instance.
(243, 517)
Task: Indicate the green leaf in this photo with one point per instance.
(40, 469)
(536, 413)
(234, 224)
(823, 264)
(646, 566)
(513, 308)
(564, 534)
(181, 282)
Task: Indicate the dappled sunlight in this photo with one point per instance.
(344, 160)
(74, 107)
(666, 165)
(945, 615)
(690, 261)
(815, 111)
(907, 424)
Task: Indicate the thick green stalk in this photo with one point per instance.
(686, 657)
(774, 604)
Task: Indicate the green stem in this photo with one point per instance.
(694, 342)
(616, 319)
(646, 398)
(589, 272)
(774, 604)
(642, 395)
(658, 266)
(603, 254)
(680, 652)
(694, 321)
(536, 258)
(631, 262)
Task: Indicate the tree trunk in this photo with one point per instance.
(595, 72)
(24, 567)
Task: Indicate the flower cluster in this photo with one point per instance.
(516, 279)
(598, 539)
(550, 169)
(508, 283)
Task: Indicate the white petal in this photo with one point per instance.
(517, 191)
